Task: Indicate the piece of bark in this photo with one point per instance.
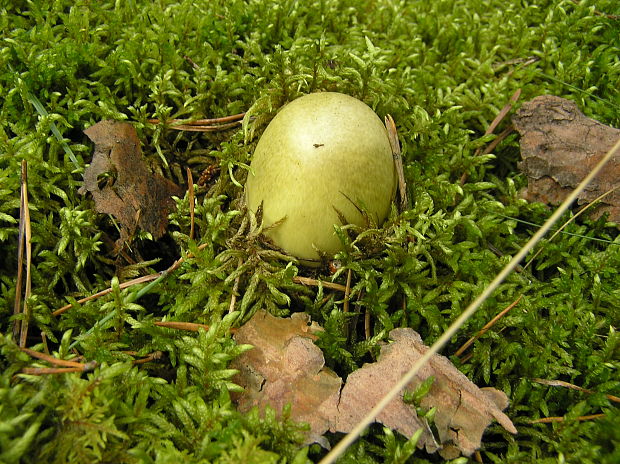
(129, 191)
(559, 147)
(285, 366)
(464, 411)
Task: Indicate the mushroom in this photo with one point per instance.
(324, 158)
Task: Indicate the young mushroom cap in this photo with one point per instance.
(325, 156)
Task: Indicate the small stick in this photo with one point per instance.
(190, 61)
(191, 326)
(501, 115)
(496, 141)
(487, 326)
(547, 420)
(122, 286)
(203, 128)
(398, 161)
(190, 184)
(561, 383)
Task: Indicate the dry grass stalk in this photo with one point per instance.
(20, 329)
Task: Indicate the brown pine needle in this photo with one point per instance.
(561, 383)
(502, 114)
(367, 331)
(496, 141)
(129, 283)
(58, 370)
(398, 161)
(20, 264)
(190, 195)
(203, 125)
(148, 278)
(313, 282)
(498, 119)
(547, 420)
(347, 292)
(94, 296)
(52, 360)
(150, 357)
(487, 326)
(235, 289)
(191, 326)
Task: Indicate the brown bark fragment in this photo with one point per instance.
(559, 147)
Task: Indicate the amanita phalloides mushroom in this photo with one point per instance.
(323, 154)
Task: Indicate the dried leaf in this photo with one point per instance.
(463, 410)
(559, 147)
(286, 367)
(128, 190)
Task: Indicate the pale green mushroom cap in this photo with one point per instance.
(321, 153)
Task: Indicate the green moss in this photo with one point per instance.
(443, 70)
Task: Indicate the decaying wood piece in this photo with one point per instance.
(559, 147)
(286, 367)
